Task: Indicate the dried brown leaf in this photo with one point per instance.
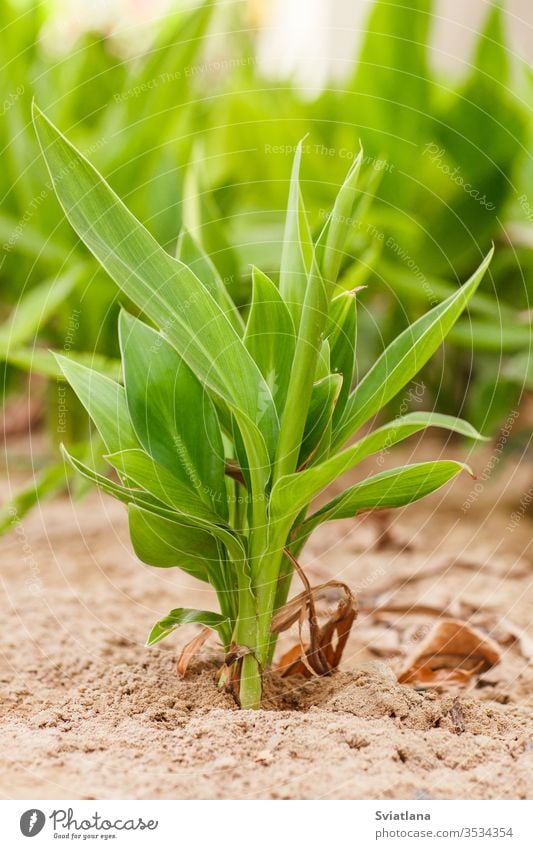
(452, 652)
(188, 651)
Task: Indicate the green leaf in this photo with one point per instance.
(173, 417)
(393, 488)
(45, 363)
(165, 289)
(192, 511)
(297, 251)
(270, 336)
(104, 400)
(140, 469)
(332, 240)
(185, 616)
(342, 338)
(293, 492)
(323, 398)
(190, 253)
(404, 357)
(165, 543)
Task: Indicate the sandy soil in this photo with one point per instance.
(88, 712)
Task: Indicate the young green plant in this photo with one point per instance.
(225, 430)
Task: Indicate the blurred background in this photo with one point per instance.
(192, 112)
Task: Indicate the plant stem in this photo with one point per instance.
(250, 684)
(246, 635)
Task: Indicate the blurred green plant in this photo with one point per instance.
(224, 432)
(450, 167)
(132, 115)
(446, 172)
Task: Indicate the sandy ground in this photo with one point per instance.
(88, 712)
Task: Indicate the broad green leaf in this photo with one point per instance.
(164, 288)
(161, 542)
(190, 253)
(293, 492)
(185, 616)
(124, 494)
(270, 336)
(193, 512)
(297, 250)
(104, 400)
(404, 357)
(139, 468)
(393, 488)
(323, 398)
(35, 308)
(171, 413)
(332, 240)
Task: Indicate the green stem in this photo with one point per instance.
(251, 683)
(246, 635)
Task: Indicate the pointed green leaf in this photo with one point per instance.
(323, 398)
(161, 542)
(104, 400)
(393, 488)
(190, 253)
(173, 417)
(45, 363)
(297, 251)
(294, 492)
(185, 616)
(143, 471)
(270, 336)
(332, 240)
(404, 357)
(192, 511)
(342, 338)
(165, 289)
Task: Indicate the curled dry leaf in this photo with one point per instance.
(188, 651)
(326, 642)
(452, 652)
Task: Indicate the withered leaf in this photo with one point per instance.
(452, 652)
